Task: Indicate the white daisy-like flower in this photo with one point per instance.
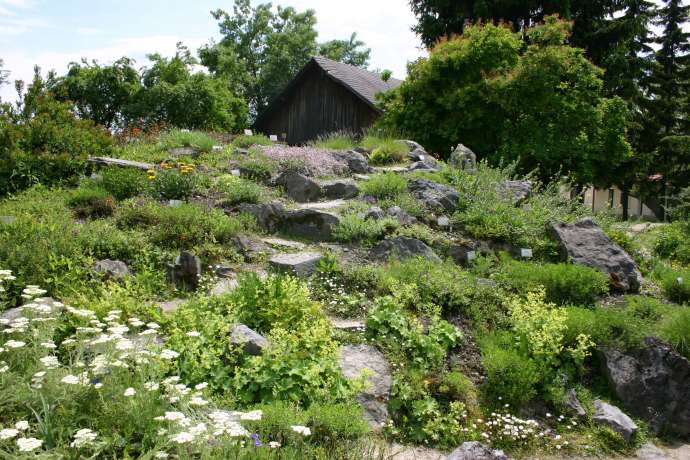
(303, 430)
(153, 325)
(200, 386)
(50, 362)
(8, 433)
(193, 334)
(253, 416)
(183, 437)
(70, 380)
(14, 344)
(169, 354)
(22, 425)
(174, 416)
(160, 454)
(130, 392)
(151, 386)
(28, 444)
(83, 437)
(49, 345)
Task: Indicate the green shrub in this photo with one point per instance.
(244, 142)
(300, 366)
(675, 283)
(673, 242)
(258, 167)
(91, 201)
(103, 240)
(184, 138)
(564, 283)
(354, 228)
(335, 141)
(675, 329)
(607, 326)
(680, 209)
(387, 152)
(277, 301)
(511, 376)
(456, 386)
(235, 190)
(50, 146)
(173, 184)
(386, 185)
(402, 335)
(184, 226)
(123, 183)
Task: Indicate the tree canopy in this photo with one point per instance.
(531, 99)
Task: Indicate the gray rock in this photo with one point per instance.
(301, 264)
(298, 187)
(112, 269)
(310, 223)
(475, 450)
(649, 451)
(586, 244)
(268, 216)
(463, 158)
(462, 254)
(170, 306)
(185, 272)
(250, 247)
(419, 154)
(340, 188)
(614, 418)
(443, 222)
(252, 342)
(573, 405)
(353, 360)
(184, 152)
(279, 242)
(423, 165)
(403, 247)
(434, 195)
(356, 162)
(7, 220)
(374, 213)
(403, 217)
(224, 286)
(516, 191)
(349, 325)
(653, 384)
(362, 177)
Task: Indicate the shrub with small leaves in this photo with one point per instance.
(123, 183)
(91, 201)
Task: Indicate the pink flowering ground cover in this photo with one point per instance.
(317, 162)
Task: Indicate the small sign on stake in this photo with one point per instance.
(273, 138)
(248, 132)
(235, 172)
(526, 253)
(471, 255)
(680, 280)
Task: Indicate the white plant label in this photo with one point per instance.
(526, 253)
(273, 138)
(248, 132)
(471, 255)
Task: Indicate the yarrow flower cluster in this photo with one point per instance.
(83, 437)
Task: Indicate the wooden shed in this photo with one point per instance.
(326, 96)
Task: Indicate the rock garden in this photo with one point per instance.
(194, 297)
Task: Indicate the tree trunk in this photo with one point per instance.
(625, 195)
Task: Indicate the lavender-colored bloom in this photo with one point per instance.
(257, 441)
(319, 162)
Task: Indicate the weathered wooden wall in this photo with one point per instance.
(316, 106)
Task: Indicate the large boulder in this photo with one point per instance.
(356, 162)
(268, 216)
(310, 223)
(301, 264)
(403, 247)
(185, 271)
(374, 213)
(516, 191)
(475, 450)
(586, 244)
(403, 217)
(463, 158)
(340, 189)
(356, 358)
(299, 187)
(112, 269)
(653, 384)
(251, 341)
(424, 165)
(434, 195)
(614, 418)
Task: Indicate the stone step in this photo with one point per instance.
(105, 161)
(282, 243)
(301, 264)
(348, 324)
(333, 204)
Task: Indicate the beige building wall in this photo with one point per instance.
(600, 199)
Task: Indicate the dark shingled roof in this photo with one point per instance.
(363, 83)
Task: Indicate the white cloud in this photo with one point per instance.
(18, 3)
(88, 31)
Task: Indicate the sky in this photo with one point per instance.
(53, 33)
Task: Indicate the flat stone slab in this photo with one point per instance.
(280, 242)
(395, 169)
(298, 263)
(105, 161)
(353, 360)
(333, 204)
(170, 306)
(349, 325)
